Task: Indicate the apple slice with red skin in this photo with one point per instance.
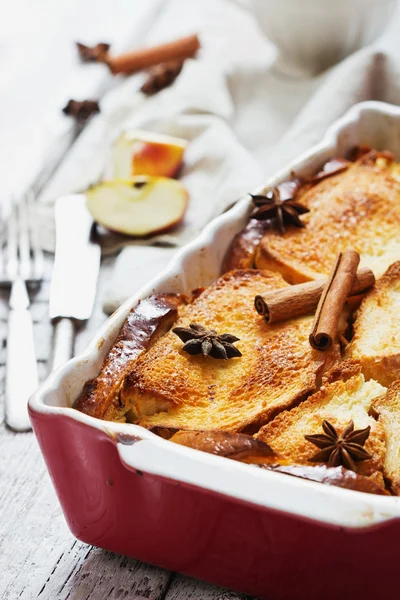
(147, 153)
(139, 207)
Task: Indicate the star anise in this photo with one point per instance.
(274, 206)
(199, 340)
(81, 110)
(344, 449)
(97, 53)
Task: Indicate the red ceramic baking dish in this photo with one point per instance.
(268, 534)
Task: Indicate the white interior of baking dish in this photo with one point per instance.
(198, 264)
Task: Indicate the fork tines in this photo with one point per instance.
(20, 251)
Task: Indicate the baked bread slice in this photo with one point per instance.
(345, 397)
(168, 388)
(358, 208)
(150, 319)
(376, 339)
(387, 409)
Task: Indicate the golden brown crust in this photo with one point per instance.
(149, 320)
(391, 275)
(168, 388)
(242, 249)
(385, 369)
(387, 409)
(338, 402)
(358, 208)
(376, 339)
(343, 371)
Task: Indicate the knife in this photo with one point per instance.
(75, 272)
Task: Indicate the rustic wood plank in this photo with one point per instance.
(103, 575)
(186, 588)
(33, 533)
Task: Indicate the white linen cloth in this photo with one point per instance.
(235, 110)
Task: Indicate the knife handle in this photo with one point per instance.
(63, 342)
(22, 375)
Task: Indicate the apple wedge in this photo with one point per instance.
(145, 153)
(139, 207)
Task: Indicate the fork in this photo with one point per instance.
(21, 261)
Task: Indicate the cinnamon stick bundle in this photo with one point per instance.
(333, 299)
(301, 299)
(144, 58)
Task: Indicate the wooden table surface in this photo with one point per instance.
(39, 557)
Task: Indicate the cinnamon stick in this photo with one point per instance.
(137, 60)
(333, 299)
(297, 300)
